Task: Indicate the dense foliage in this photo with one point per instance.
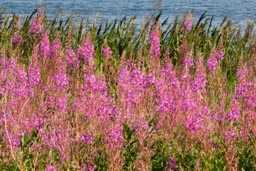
(118, 96)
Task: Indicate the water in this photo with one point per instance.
(240, 11)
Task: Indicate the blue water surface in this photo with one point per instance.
(240, 11)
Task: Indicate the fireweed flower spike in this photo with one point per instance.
(17, 39)
(171, 164)
(55, 47)
(188, 61)
(72, 60)
(87, 52)
(106, 51)
(188, 22)
(155, 42)
(36, 25)
(214, 58)
(88, 168)
(212, 63)
(51, 168)
(199, 83)
(44, 48)
(33, 75)
(219, 55)
(234, 112)
(115, 137)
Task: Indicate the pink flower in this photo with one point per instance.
(234, 112)
(107, 52)
(219, 55)
(115, 137)
(171, 164)
(188, 22)
(55, 46)
(33, 75)
(44, 48)
(212, 64)
(61, 81)
(87, 138)
(87, 52)
(71, 59)
(36, 25)
(199, 83)
(13, 139)
(155, 44)
(230, 134)
(188, 61)
(193, 123)
(88, 168)
(17, 39)
(51, 168)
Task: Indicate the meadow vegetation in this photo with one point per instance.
(121, 96)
